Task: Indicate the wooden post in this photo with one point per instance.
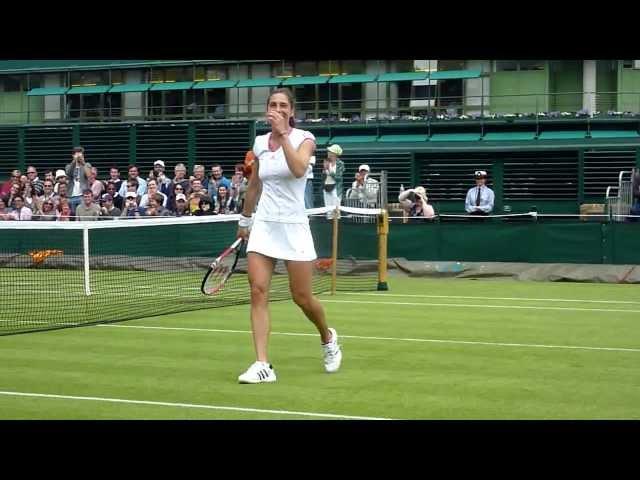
(383, 232)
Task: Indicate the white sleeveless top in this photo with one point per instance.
(282, 198)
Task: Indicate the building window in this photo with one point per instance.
(506, 66)
(14, 83)
(329, 67)
(306, 69)
(351, 97)
(217, 73)
(216, 99)
(627, 63)
(113, 105)
(195, 103)
(117, 77)
(87, 78)
(352, 66)
(531, 64)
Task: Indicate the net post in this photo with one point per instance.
(85, 251)
(383, 232)
(334, 251)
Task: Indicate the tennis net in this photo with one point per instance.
(66, 274)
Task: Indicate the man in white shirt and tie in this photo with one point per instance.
(479, 198)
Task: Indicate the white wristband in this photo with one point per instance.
(245, 222)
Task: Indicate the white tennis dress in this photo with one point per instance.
(281, 226)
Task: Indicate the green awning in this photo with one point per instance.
(259, 82)
(353, 139)
(454, 74)
(215, 84)
(171, 86)
(402, 77)
(614, 134)
(316, 80)
(130, 87)
(562, 135)
(89, 89)
(362, 78)
(507, 136)
(403, 138)
(455, 137)
(47, 91)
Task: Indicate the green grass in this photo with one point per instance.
(401, 378)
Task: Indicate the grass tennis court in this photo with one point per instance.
(427, 349)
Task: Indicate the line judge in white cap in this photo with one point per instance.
(480, 198)
(332, 172)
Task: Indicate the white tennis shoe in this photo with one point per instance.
(332, 353)
(258, 372)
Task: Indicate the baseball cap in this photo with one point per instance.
(181, 196)
(364, 167)
(131, 195)
(480, 174)
(107, 196)
(158, 162)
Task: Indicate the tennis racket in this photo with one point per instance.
(221, 269)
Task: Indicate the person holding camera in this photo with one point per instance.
(415, 202)
(131, 209)
(80, 171)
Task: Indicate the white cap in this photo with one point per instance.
(60, 173)
(335, 149)
(158, 162)
(131, 195)
(181, 196)
(364, 167)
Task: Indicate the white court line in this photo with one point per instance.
(360, 337)
(524, 299)
(471, 305)
(191, 405)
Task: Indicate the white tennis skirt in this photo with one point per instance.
(286, 241)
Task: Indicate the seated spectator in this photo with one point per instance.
(13, 193)
(96, 186)
(364, 188)
(47, 194)
(176, 189)
(36, 183)
(197, 193)
(131, 209)
(6, 186)
(180, 178)
(162, 181)
(112, 189)
(215, 180)
(155, 208)
(63, 212)
(48, 175)
(108, 211)
(114, 177)
(199, 174)
(61, 178)
(87, 210)
(181, 209)
(21, 212)
(480, 198)
(224, 203)
(141, 182)
(205, 207)
(47, 212)
(152, 189)
(29, 196)
(4, 210)
(415, 202)
(131, 186)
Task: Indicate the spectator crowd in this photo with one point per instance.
(77, 192)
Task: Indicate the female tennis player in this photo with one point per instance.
(280, 230)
